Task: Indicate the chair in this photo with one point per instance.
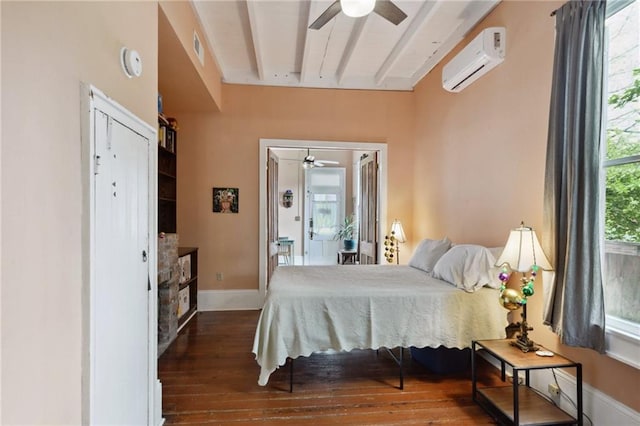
(285, 250)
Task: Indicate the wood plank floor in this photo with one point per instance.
(209, 376)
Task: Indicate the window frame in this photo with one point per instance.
(622, 337)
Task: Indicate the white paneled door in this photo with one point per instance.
(272, 214)
(324, 212)
(369, 208)
(120, 299)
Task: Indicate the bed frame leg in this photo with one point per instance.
(290, 375)
(401, 369)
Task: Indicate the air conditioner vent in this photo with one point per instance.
(482, 54)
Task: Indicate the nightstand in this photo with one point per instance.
(519, 404)
(347, 256)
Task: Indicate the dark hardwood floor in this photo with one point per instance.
(209, 376)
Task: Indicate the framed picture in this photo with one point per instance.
(225, 200)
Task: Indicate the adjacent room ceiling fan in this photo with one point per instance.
(357, 8)
(310, 162)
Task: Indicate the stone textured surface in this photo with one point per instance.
(167, 290)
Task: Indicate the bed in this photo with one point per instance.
(320, 308)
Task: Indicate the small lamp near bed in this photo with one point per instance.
(392, 243)
(522, 253)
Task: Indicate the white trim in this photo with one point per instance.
(159, 420)
(191, 315)
(229, 300)
(92, 98)
(265, 144)
(622, 341)
(600, 407)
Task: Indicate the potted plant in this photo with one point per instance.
(346, 232)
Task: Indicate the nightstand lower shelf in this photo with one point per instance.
(533, 410)
(519, 403)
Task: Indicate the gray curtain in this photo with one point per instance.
(574, 306)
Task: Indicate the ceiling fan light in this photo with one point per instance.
(357, 8)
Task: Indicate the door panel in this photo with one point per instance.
(368, 208)
(272, 214)
(324, 212)
(120, 300)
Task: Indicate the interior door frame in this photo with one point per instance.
(92, 98)
(265, 144)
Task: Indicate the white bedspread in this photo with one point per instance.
(316, 308)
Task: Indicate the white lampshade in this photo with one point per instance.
(398, 232)
(357, 8)
(523, 250)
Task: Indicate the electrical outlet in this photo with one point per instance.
(219, 276)
(554, 390)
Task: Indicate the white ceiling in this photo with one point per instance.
(267, 42)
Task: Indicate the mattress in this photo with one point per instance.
(319, 308)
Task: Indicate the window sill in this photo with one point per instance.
(623, 341)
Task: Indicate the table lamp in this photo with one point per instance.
(392, 243)
(522, 253)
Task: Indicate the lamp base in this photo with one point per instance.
(522, 339)
(525, 345)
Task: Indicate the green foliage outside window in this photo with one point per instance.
(622, 217)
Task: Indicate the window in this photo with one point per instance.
(621, 169)
(325, 214)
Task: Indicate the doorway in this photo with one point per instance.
(266, 146)
(324, 211)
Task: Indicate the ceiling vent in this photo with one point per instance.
(197, 47)
(485, 52)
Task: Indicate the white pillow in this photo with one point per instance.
(467, 266)
(428, 252)
(494, 272)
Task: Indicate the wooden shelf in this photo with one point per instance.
(186, 317)
(516, 403)
(167, 177)
(502, 349)
(165, 150)
(188, 289)
(533, 408)
(161, 173)
(187, 283)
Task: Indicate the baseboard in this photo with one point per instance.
(229, 300)
(159, 420)
(598, 406)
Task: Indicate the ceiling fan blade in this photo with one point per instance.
(389, 11)
(318, 164)
(326, 16)
(327, 162)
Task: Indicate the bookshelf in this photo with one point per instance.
(187, 284)
(167, 175)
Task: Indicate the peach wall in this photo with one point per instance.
(184, 21)
(48, 48)
(222, 149)
(480, 155)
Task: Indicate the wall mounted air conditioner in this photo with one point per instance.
(485, 52)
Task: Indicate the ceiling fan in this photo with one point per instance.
(310, 162)
(357, 8)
